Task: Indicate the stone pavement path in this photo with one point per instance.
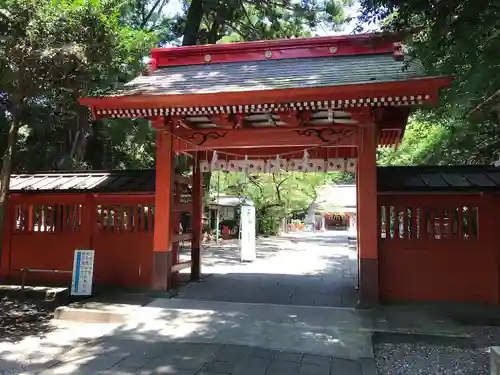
(259, 318)
(207, 359)
(299, 269)
(35, 353)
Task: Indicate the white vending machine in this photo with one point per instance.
(247, 233)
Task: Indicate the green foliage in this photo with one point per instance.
(419, 139)
(243, 20)
(53, 53)
(455, 38)
(54, 48)
(275, 195)
(444, 140)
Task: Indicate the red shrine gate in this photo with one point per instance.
(339, 97)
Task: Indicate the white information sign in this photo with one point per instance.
(247, 233)
(83, 271)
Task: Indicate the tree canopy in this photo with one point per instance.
(107, 41)
(276, 195)
(455, 38)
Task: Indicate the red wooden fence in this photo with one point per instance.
(42, 231)
(122, 237)
(439, 247)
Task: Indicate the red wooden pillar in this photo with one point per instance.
(162, 237)
(175, 222)
(9, 223)
(488, 234)
(367, 219)
(196, 219)
(31, 218)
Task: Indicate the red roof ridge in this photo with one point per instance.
(337, 45)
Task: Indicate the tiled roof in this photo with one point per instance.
(229, 201)
(87, 181)
(446, 178)
(273, 74)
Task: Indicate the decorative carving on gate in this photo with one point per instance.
(325, 135)
(200, 138)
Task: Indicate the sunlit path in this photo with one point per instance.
(308, 269)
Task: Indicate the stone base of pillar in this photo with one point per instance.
(162, 266)
(368, 283)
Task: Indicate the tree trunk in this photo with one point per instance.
(193, 23)
(7, 169)
(76, 152)
(190, 38)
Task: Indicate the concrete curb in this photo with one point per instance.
(103, 309)
(84, 315)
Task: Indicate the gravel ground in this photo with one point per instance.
(404, 354)
(19, 319)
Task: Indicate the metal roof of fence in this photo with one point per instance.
(132, 181)
(390, 179)
(441, 178)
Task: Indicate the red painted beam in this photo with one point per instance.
(278, 49)
(286, 152)
(261, 138)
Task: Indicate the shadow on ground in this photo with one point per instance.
(180, 341)
(302, 269)
(227, 254)
(19, 319)
(281, 289)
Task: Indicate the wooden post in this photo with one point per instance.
(31, 218)
(196, 219)
(9, 223)
(162, 241)
(175, 222)
(367, 219)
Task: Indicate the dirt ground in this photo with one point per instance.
(19, 319)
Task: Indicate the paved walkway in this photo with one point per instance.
(260, 318)
(310, 269)
(192, 337)
(206, 359)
